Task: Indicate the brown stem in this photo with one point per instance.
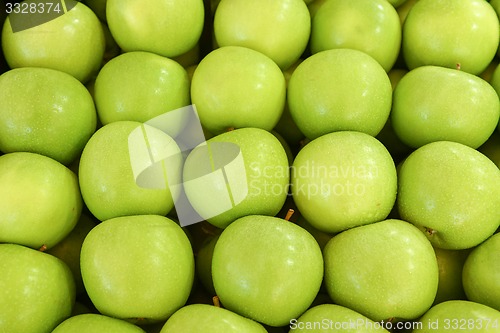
(458, 66)
(43, 248)
(229, 129)
(430, 231)
(216, 301)
(289, 214)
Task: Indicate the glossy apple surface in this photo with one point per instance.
(481, 273)
(450, 192)
(279, 29)
(40, 200)
(37, 290)
(73, 43)
(451, 34)
(165, 27)
(371, 26)
(433, 103)
(339, 90)
(206, 318)
(343, 179)
(138, 268)
(138, 86)
(92, 322)
(357, 275)
(235, 87)
(45, 111)
(267, 269)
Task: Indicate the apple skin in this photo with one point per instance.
(139, 86)
(267, 177)
(450, 263)
(93, 323)
(238, 78)
(165, 27)
(357, 276)
(267, 269)
(37, 290)
(481, 273)
(40, 200)
(73, 43)
(342, 180)
(45, 111)
(451, 33)
(138, 268)
(491, 148)
(459, 315)
(371, 26)
(339, 89)
(206, 318)
(334, 318)
(433, 103)
(110, 189)
(451, 192)
(278, 29)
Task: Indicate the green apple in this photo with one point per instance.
(491, 148)
(138, 268)
(39, 199)
(433, 103)
(449, 33)
(108, 177)
(96, 323)
(237, 173)
(481, 273)
(279, 29)
(371, 26)
(165, 27)
(139, 86)
(73, 42)
(267, 269)
(403, 11)
(334, 318)
(339, 89)
(450, 263)
(36, 289)
(385, 271)
(203, 261)
(234, 87)
(459, 316)
(451, 192)
(206, 318)
(45, 111)
(342, 180)
(68, 249)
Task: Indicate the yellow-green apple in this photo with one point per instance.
(450, 263)
(139, 86)
(45, 111)
(234, 87)
(434, 103)
(279, 29)
(358, 276)
(371, 26)
(72, 42)
(237, 173)
(165, 27)
(342, 180)
(339, 90)
(267, 269)
(139, 268)
(39, 199)
(458, 316)
(37, 290)
(206, 318)
(451, 193)
(449, 33)
(110, 165)
(481, 273)
(93, 322)
(334, 318)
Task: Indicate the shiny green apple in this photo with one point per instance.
(386, 270)
(94, 323)
(339, 90)
(371, 26)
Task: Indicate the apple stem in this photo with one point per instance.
(43, 248)
(216, 301)
(458, 66)
(289, 214)
(229, 129)
(430, 231)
